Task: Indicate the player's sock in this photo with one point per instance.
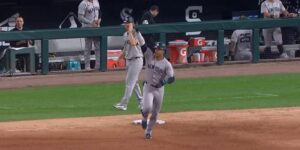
(280, 49)
(268, 51)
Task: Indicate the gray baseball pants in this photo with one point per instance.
(152, 102)
(134, 67)
(271, 33)
(87, 53)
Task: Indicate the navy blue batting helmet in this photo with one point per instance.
(129, 20)
(160, 45)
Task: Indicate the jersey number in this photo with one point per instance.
(245, 38)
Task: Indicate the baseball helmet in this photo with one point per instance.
(160, 45)
(128, 20)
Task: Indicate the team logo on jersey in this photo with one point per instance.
(155, 69)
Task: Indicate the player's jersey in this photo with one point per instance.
(243, 40)
(133, 51)
(90, 11)
(274, 8)
(157, 70)
(14, 43)
(147, 18)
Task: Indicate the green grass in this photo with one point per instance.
(243, 92)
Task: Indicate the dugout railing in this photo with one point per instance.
(162, 29)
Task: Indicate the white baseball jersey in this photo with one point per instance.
(274, 8)
(133, 51)
(157, 70)
(243, 40)
(89, 11)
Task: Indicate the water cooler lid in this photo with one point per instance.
(178, 42)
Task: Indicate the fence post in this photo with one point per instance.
(163, 39)
(103, 53)
(45, 56)
(220, 47)
(255, 46)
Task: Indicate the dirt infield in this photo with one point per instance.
(274, 129)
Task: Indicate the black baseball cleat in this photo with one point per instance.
(144, 124)
(148, 136)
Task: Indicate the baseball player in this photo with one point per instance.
(240, 44)
(132, 52)
(89, 15)
(274, 9)
(158, 73)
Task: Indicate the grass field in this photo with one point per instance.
(262, 91)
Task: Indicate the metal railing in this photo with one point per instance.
(162, 29)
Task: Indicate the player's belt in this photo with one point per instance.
(145, 83)
(133, 58)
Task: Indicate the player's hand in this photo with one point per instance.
(95, 24)
(21, 42)
(292, 15)
(160, 84)
(276, 16)
(98, 21)
(30, 42)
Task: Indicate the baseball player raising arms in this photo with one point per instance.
(89, 15)
(132, 52)
(273, 9)
(158, 73)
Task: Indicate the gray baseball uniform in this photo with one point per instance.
(134, 65)
(88, 12)
(243, 39)
(274, 8)
(156, 71)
